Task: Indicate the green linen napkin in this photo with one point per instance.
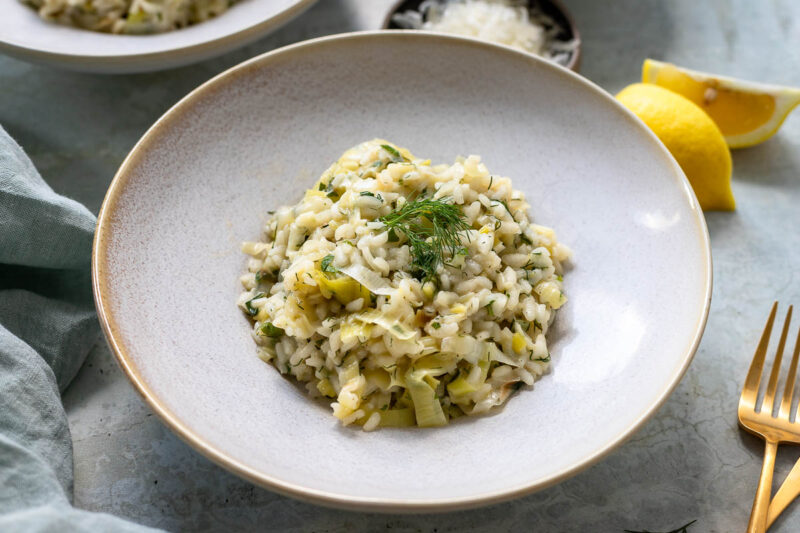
(47, 326)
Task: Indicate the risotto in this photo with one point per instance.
(408, 293)
(129, 16)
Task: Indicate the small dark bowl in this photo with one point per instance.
(552, 8)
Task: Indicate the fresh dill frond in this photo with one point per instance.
(431, 228)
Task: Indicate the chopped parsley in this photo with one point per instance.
(326, 265)
(252, 311)
(368, 193)
(396, 157)
(269, 330)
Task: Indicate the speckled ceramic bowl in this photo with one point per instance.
(166, 263)
(24, 35)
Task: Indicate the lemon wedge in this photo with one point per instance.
(747, 113)
(692, 138)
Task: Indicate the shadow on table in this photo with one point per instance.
(774, 163)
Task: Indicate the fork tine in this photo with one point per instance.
(772, 386)
(750, 389)
(788, 391)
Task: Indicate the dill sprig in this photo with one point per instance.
(431, 228)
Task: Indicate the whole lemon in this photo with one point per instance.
(692, 138)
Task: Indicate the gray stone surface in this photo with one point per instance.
(690, 461)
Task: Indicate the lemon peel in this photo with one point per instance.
(747, 113)
(691, 136)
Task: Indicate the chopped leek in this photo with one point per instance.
(459, 388)
(392, 325)
(325, 388)
(344, 289)
(397, 418)
(348, 370)
(353, 330)
(427, 408)
(368, 278)
(391, 418)
(378, 377)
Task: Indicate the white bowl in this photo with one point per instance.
(166, 263)
(23, 34)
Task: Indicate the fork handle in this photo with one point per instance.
(788, 491)
(758, 517)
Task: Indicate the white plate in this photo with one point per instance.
(166, 263)
(23, 34)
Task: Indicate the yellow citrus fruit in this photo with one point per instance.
(747, 113)
(692, 138)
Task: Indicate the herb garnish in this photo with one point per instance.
(396, 157)
(431, 228)
(270, 330)
(252, 311)
(368, 193)
(329, 189)
(326, 265)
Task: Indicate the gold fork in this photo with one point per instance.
(790, 488)
(760, 422)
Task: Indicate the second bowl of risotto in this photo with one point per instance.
(502, 285)
(123, 36)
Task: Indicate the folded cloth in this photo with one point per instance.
(47, 327)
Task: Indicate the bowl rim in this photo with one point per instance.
(574, 63)
(102, 294)
(150, 61)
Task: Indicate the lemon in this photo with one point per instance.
(747, 113)
(692, 138)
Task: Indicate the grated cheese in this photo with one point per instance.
(506, 22)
